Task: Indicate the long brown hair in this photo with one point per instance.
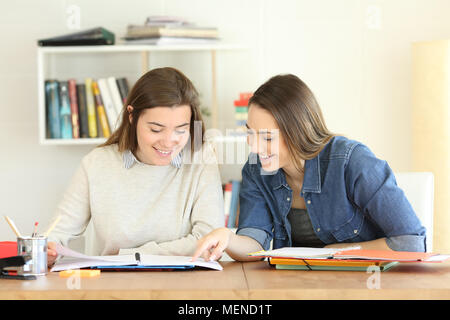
(162, 87)
(297, 114)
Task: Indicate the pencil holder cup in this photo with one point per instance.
(36, 247)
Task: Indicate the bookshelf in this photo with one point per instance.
(46, 54)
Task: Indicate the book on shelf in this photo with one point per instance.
(166, 21)
(236, 186)
(186, 31)
(115, 95)
(53, 119)
(123, 86)
(82, 109)
(94, 36)
(74, 108)
(227, 201)
(64, 111)
(101, 113)
(108, 104)
(91, 112)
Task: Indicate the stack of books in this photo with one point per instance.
(160, 30)
(241, 112)
(84, 110)
(349, 259)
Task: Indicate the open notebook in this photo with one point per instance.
(74, 260)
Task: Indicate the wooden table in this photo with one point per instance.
(240, 281)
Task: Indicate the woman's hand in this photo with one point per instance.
(51, 253)
(211, 246)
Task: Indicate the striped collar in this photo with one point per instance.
(129, 159)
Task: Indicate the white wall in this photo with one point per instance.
(360, 75)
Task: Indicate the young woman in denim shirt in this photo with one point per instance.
(330, 191)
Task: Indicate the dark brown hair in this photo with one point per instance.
(162, 87)
(297, 114)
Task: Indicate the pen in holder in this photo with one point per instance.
(36, 247)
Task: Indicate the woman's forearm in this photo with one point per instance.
(240, 246)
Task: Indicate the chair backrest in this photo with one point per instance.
(419, 189)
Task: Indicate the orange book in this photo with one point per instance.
(100, 110)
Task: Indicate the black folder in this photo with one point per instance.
(90, 37)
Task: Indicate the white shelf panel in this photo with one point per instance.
(81, 141)
(140, 48)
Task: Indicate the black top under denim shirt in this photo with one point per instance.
(302, 231)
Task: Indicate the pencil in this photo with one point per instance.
(13, 226)
(34, 234)
(52, 226)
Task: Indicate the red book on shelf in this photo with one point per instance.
(74, 108)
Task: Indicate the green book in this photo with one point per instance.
(383, 267)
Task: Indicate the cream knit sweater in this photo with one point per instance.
(149, 209)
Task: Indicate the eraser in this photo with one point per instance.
(79, 273)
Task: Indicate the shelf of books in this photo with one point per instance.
(75, 110)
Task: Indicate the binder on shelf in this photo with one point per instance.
(94, 36)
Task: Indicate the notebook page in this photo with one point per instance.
(66, 252)
(154, 260)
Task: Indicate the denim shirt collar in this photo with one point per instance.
(311, 180)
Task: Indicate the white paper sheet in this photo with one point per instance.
(302, 252)
(76, 260)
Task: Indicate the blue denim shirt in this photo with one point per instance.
(350, 196)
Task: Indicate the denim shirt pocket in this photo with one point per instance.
(279, 231)
(350, 229)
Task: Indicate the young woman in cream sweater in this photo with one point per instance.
(153, 187)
